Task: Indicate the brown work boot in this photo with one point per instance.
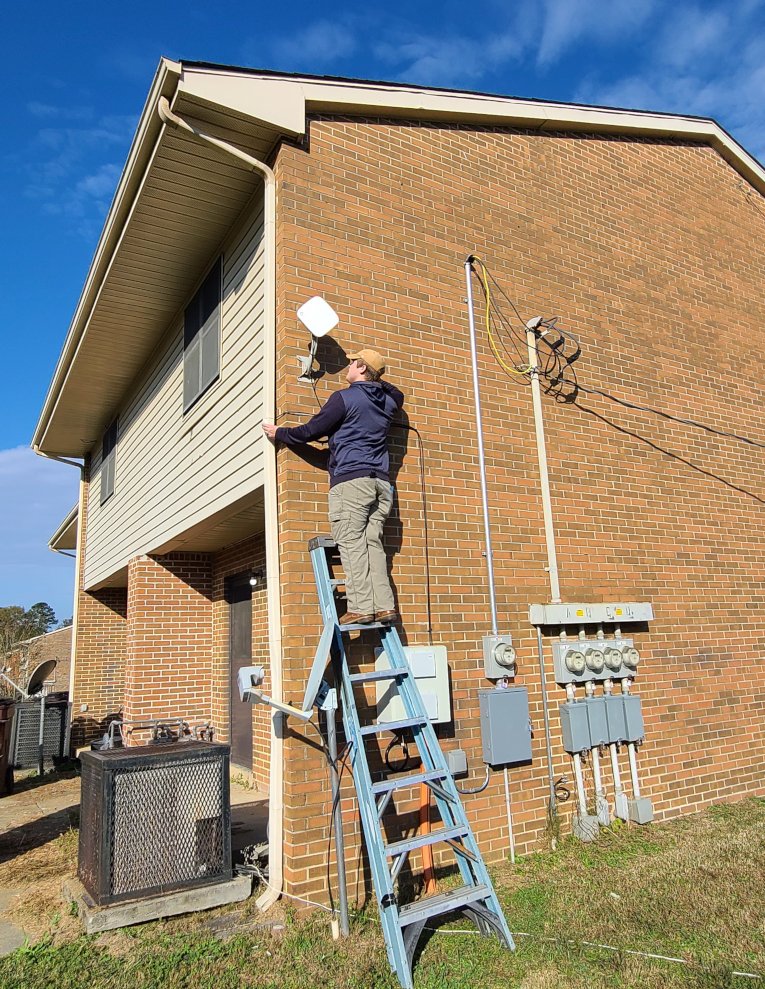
(386, 616)
(354, 618)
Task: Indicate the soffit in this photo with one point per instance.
(190, 196)
(65, 537)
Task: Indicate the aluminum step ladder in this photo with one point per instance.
(402, 924)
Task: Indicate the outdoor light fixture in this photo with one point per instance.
(257, 577)
(319, 318)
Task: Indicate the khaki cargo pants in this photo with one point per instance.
(357, 512)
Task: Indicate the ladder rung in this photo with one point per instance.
(432, 906)
(361, 626)
(379, 675)
(420, 840)
(337, 583)
(394, 725)
(398, 784)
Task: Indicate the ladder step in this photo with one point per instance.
(361, 627)
(420, 840)
(432, 906)
(394, 725)
(386, 785)
(379, 675)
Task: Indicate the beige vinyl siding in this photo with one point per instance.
(175, 470)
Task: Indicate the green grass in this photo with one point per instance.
(691, 888)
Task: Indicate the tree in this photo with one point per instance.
(41, 617)
(16, 624)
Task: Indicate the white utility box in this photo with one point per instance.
(431, 673)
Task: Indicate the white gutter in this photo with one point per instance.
(273, 578)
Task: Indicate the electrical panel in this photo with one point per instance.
(597, 721)
(634, 728)
(431, 673)
(617, 728)
(579, 660)
(591, 613)
(505, 726)
(575, 727)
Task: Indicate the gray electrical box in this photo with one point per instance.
(505, 731)
(575, 726)
(634, 729)
(591, 613)
(617, 728)
(456, 762)
(597, 720)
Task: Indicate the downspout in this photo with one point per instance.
(77, 563)
(273, 579)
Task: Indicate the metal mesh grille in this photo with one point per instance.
(27, 733)
(168, 825)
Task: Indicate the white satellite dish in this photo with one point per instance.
(318, 316)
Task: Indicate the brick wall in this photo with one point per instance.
(99, 664)
(651, 252)
(27, 656)
(169, 669)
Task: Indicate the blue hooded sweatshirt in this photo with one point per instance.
(357, 421)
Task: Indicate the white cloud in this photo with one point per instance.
(567, 22)
(448, 60)
(67, 174)
(318, 44)
(36, 496)
(708, 64)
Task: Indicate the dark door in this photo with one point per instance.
(239, 597)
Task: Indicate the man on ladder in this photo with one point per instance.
(357, 421)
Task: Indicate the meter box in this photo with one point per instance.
(505, 729)
(575, 726)
(579, 660)
(596, 720)
(634, 729)
(431, 674)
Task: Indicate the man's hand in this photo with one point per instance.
(270, 430)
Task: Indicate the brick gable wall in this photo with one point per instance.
(651, 252)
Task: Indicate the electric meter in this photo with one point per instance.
(504, 654)
(595, 660)
(575, 661)
(631, 657)
(613, 658)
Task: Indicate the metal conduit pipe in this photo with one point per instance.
(273, 581)
(481, 453)
(544, 477)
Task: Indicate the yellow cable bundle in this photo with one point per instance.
(489, 334)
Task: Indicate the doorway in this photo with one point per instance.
(239, 598)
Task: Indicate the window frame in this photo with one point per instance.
(202, 337)
(109, 460)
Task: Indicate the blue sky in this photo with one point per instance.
(76, 76)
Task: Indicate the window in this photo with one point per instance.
(108, 461)
(201, 338)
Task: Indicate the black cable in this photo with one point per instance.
(559, 377)
(426, 530)
(398, 739)
(666, 415)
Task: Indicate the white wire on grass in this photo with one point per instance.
(589, 944)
